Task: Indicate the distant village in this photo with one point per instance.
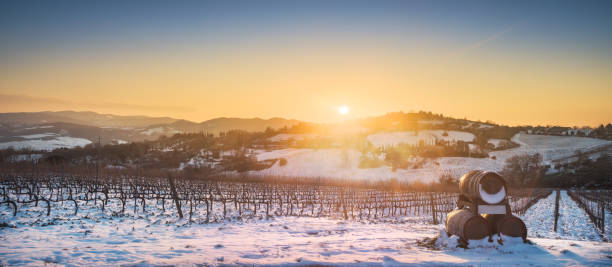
(601, 132)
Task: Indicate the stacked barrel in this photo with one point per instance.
(483, 209)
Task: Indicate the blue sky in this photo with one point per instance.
(32, 24)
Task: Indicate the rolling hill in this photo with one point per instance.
(44, 129)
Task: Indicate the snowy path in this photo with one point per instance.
(573, 224)
(540, 218)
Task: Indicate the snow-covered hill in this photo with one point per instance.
(46, 141)
(112, 129)
(343, 163)
(551, 147)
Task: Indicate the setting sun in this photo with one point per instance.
(343, 110)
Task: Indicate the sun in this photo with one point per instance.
(343, 110)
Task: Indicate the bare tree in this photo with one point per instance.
(521, 169)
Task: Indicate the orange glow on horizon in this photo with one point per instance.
(305, 82)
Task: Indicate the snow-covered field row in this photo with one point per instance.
(597, 201)
(343, 164)
(573, 222)
(106, 238)
(87, 240)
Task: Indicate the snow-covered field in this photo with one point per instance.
(551, 147)
(496, 142)
(160, 130)
(37, 136)
(343, 163)
(339, 163)
(573, 222)
(94, 238)
(286, 137)
(44, 142)
(152, 236)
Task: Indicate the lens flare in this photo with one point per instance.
(343, 110)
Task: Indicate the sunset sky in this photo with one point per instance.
(533, 62)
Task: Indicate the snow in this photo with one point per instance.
(338, 163)
(551, 147)
(51, 144)
(156, 130)
(485, 126)
(120, 141)
(492, 198)
(496, 142)
(543, 252)
(94, 237)
(343, 163)
(276, 154)
(432, 122)
(608, 226)
(573, 224)
(93, 240)
(39, 127)
(197, 161)
(295, 137)
(427, 136)
(37, 136)
(160, 130)
(202, 159)
(26, 157)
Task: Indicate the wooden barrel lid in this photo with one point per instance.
(512, 226)
(475, 228)
(491, 182)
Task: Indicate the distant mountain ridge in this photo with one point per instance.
(225, 124)
(117, 128)
(27, 128)
(88, 118)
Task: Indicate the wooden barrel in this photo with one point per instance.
(508, 225)
(466, 225)
(483, 185)
(492, 220)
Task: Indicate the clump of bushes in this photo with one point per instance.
(243, 163)
(368, 162)
(448, 180)
(6, 225)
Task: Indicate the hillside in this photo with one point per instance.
(225, 124)
(48, 127)
(409, 147)
(87, 118)
(344, 163)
